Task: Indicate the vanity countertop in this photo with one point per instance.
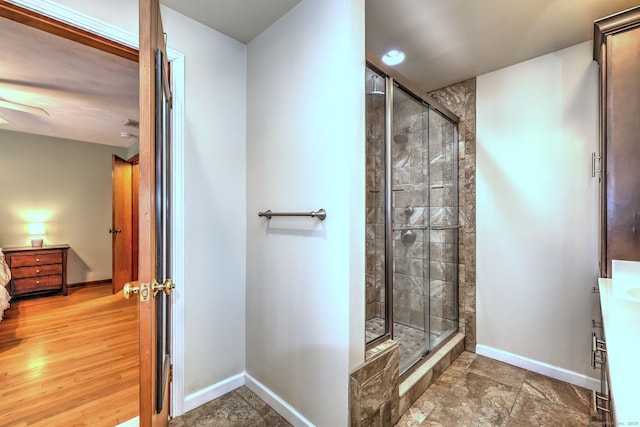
(621, 320)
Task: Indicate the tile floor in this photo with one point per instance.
(239, 408)
(478, 391)
(473, 391)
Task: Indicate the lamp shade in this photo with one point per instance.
(36, 229)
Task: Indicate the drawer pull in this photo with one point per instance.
(37, 271)
(37, 259)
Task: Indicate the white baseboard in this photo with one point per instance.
(214, 391)
(133, 422)
(539, 367)
(287, 411)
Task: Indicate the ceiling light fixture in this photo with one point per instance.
(4, 103)
(3, 121)
(393, 57)
(132, 123)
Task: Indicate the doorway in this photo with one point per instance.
(79, 27)
(124, 228)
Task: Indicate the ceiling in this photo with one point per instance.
(89, 94)
(242, 20)
(448, 41)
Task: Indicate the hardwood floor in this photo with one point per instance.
(69, 361)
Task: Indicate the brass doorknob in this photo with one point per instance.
(130, 288)
(167, 287)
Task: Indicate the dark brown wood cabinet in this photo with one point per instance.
(616, 47)
(37, 270)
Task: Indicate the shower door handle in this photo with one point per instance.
(411, 227)
(445, 227)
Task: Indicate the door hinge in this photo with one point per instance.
(595, 171)
(171, 373)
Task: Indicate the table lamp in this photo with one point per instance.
(36, 230)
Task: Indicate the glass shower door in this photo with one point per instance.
(376, 308)
(443, 230)
(410, 221)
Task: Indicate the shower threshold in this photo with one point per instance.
(412, 342)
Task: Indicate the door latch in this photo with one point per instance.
(131, 288)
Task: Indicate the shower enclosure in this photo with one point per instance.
(412, 217)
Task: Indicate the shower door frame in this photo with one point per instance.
(392, 79)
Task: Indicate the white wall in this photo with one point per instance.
(65, 184)
(215, 189)
(537, 208)
(215, 200)
(305, 151)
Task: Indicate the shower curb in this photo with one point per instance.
(427, 371)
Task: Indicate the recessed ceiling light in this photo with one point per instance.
(127, 135)
(393, 57)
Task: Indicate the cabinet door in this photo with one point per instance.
(623, 146)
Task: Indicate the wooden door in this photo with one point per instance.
(153, 221)
(135, 181)
(121, 227)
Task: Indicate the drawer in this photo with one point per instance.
(36, 259)
(36, 271)
(37, 284)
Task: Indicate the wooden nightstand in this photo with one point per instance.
(37, 270)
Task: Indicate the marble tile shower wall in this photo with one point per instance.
(375, 246)
(461, 99)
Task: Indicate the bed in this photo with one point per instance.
(5, 277)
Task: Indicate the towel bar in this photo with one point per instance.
(321, 214)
